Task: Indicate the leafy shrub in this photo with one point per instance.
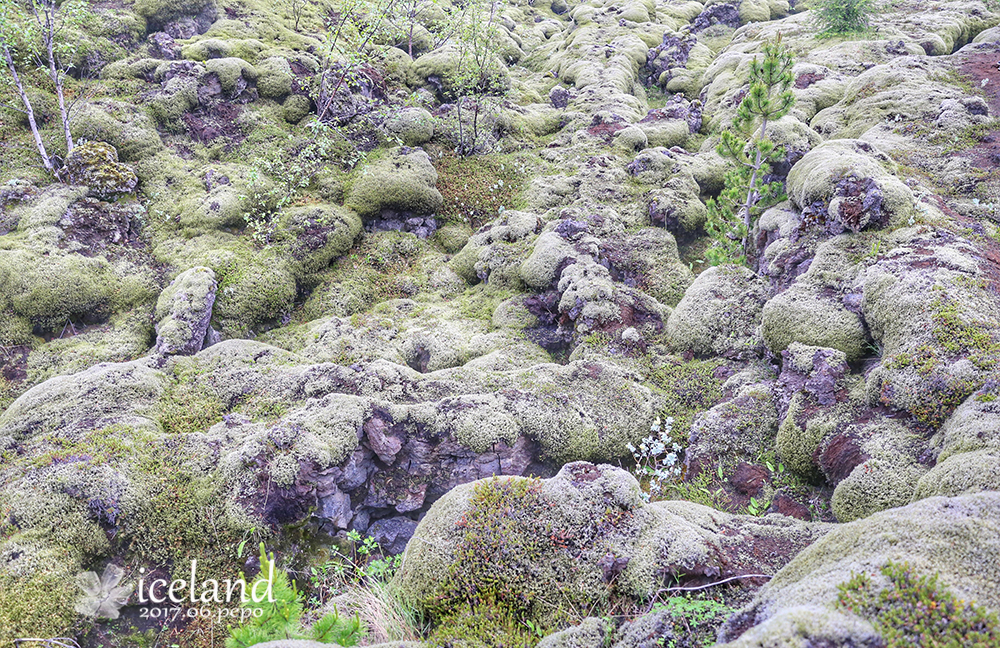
(915, 611)
(843, 16)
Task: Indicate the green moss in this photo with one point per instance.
(233, 73)
(477, 189)
(95, 164)
(875, 485)
(158, 12)
(179, 95)
(685, 390)
(130, 69)
(175, 512)
(314, 235)
(649, 257)
(911, 609)
(484, 625)
(453, 237)
(979, 339)
(295, 108)
(802, 314)
(52, 292)
(966, 138)
(797, 443)
(274, 79)
(412, 126)
(719, 313)
(962, 473)
(401, 182)
(254, 289)
(379, 269)
(188, 406)
(444, 64)
(126, 336)
(126, 127)
(481, 303)
(40, 605)
(504, 530)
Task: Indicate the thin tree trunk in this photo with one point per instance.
(32, 124)
(748, 205)
(57, 79)
(461, 136)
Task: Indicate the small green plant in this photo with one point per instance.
(843, 16)
(745, 193)
(33, 35)
(912, 610)
(694, 618)
(279, 615)
(363, 564)
(657, 458)
(757, 507)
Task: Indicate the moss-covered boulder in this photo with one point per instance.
(953, 538)
(405, 181)
(806, 314)
(183, 312)
(295, 108)
(274, 77)
(312, 236)
(125, 126)
(968, 447)
(95, 164)
(235, 75)
(413, 126)
(939, 327)
(739, 429)
(849, 185)
(649, 259)
(507, 547)
(254, 290)
(52, 291)
(719, 313)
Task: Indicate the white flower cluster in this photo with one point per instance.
(657, 457)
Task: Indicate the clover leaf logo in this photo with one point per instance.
(102, 596)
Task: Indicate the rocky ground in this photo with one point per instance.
(234, 326)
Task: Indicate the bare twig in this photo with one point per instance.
(701, 587)
(58, 641)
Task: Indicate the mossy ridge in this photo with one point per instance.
(40, 605)
(914, 609)
(479, 603)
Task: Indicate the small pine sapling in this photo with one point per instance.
(745, 193)
(279, 615)
(837, 17)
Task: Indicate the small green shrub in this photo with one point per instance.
(843, 16)
(915, 611)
